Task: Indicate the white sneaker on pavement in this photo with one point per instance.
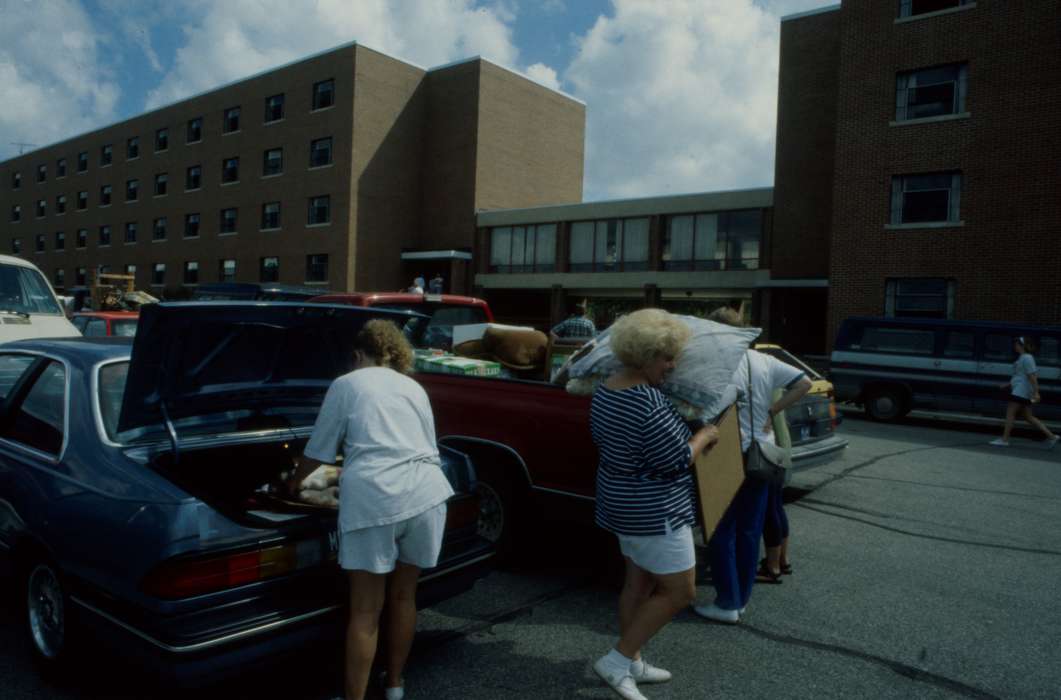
(619, 679)
(741, 611)
(999, 442)
(644, 672)
(716, 614)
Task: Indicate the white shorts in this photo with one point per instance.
(661, 554)
(416, 541)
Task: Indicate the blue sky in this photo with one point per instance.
(680, 94)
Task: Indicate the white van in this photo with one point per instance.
(28, 307)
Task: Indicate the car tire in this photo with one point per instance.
(498, 505)
(46, 615)
(886, 404)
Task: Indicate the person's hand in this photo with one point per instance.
(1036, 398)
(710, 434)
(768, 426)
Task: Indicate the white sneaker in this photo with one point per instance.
(741, 611)
(644, 672)
(391, 693)
(618, 679)
(999, 442)
(717, 614)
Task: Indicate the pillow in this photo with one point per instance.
(523, 349)
(704, 374)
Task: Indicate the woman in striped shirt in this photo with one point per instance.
(645, 490)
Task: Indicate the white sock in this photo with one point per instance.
(614, 658)
(637, 666)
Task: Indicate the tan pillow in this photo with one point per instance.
(517, 348)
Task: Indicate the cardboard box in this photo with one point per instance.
(719, 473)
(464, 366)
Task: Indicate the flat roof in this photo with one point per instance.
(755, 198)
(811, 13)
(267, 71)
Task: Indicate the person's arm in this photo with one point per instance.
(1034, 379)
(664, 450)
(304, 466)
(794, 393)
(326, 439)
(702, 440)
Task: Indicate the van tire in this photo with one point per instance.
(886, 404)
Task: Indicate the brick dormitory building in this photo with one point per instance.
(348, 169)
(917, 173)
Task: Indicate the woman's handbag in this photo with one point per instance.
(765, 461)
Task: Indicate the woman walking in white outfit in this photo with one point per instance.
(392, 497)
(1023, 392)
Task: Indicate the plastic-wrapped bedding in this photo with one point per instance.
(701, 385)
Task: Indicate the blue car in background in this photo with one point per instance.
(137, 487)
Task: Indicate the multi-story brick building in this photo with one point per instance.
(919, 141)
(349, 169)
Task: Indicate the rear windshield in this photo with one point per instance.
(790, 359)
(439, 331)
(124, 328)
(24, 290)
(112, 379)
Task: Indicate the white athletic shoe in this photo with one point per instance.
(618, 679)
(391, 693)
(644, 672)
(741, 611)
(716, 614)
(999, 442)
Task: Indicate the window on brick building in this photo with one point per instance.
(82, 200)
(105, 195)
(60, 240)
(132, 148)
(82, 161)
(274, 108)
(270, 216)
(195, 130)
(60, 204)
(320, 211)
(191, 225)
(60, 168)
(609, 245)
(158, 230)
(82, 238)
(194, 178)
(191, 272)
(919, 297)
(931, 92)
(269, 269)
(104, 235)
(16, 180)
(158, 274)
(42, 173)
(230, 124)
(42, 208)
(132, 190)
(317, 268)
(16, 246)
(273, 162)
(226, 270)
(106, 155)
(927, 198)
(130, 232)
(161, 184)
(523, 248)
(323, 94)
(40, 243)
(162, 139)
(230, 170)
(320, 152)
(228, 220)
(912, 8)
(60, 277)
(16, 213)
(80, 276)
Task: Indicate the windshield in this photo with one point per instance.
(438, 332)
(124, 328)
(790, 359)
(112, 379)
(24, 290)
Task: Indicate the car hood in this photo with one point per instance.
(199, 358)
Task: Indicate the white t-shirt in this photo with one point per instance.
(1021, 385)
(768, 374)
(381, 422)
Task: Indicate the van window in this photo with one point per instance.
(998, 348)
(1049, 353)
(24, 290)
(908, 341)
(959, 345)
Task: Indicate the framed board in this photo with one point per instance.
(719, 472)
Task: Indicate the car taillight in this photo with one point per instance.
(832, 411)
(184, 578)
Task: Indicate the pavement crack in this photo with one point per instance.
(938, 538)
(958, 488)
(873, 460)
(919, 675)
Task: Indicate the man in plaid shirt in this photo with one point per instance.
(576, 325)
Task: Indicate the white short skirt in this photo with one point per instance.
(661, 554)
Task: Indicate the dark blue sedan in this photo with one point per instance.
(138, 497)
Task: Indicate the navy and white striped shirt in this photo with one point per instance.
(644, 483)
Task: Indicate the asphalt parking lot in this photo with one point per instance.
(925, 566)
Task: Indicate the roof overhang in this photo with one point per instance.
(436, 255)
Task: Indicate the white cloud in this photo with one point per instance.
(52, 81)
(681, 95)
(541, 73)
(230, 39)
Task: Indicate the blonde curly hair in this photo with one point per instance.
(387, 344)
(640, 337)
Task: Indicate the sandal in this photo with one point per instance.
(764, 575)
(786, 568)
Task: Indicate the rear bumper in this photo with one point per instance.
(818, 452)
(209, 658)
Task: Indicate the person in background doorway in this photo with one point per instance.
(645, 490)
(576, 326)
(734, 547)
(417, 287)
(437, 283)
(392, 497)
(1023, 390)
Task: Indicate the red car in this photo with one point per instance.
(445, 310)
(97, 323)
